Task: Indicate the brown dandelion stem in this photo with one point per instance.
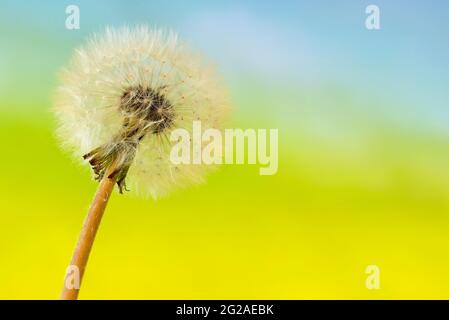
(86, 238)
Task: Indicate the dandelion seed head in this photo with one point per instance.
(122, 95)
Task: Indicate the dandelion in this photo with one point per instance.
(121, 96)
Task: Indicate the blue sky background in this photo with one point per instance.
(291, 45)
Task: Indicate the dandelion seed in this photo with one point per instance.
(121, 96)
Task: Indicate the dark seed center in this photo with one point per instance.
(146, 105)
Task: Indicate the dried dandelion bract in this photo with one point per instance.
(121, 96)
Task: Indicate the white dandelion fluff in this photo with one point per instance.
(122, 95)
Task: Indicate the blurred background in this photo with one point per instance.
(363, 157)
